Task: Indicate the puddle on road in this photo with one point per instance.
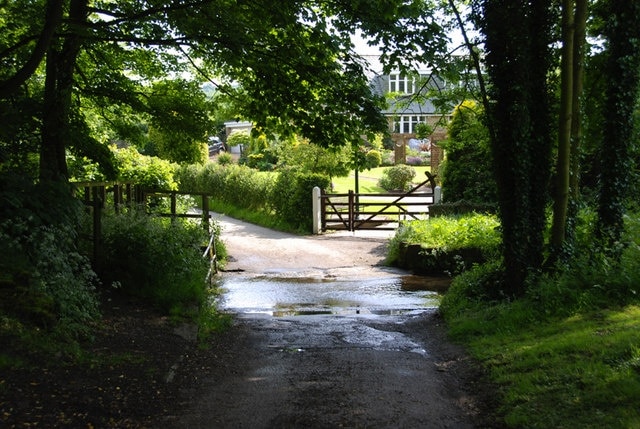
(284, 296)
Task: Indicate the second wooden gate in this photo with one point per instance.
(353, 211)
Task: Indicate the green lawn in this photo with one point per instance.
(369, 180)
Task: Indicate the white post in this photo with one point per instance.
(437, 195)
(316, 209)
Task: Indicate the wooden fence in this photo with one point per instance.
(96, 196)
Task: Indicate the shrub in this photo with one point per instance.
(373, 159)
(306, 157)
(591, 279)
(224, 159)
(292, 197)
(233, 184)
(155, 258)
(447, 245)
(480, 284)
(45, 281)
(398, 177)
(53, 282)
(415, 160)
(388, 158)
(148, 171)
(467, 173)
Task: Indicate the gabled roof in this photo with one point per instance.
(407, 104)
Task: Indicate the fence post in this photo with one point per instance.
(205, 212)
(117, 197)
(173, 206)
(97, 228)
(437, 195)
(352, 210)
(315, 199)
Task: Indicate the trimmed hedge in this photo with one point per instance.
(461, 208)
(286, 193)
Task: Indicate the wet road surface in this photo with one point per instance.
(329, 342)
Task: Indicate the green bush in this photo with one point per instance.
(398, 177)
(592, 280)
(306, 157)
(292, 197)
(45, 281)
(449, 245)
(588, 282)
(455, 232)
(149, 171)
(373, 159)
(467, 172)
(224, 159)
(474, 287)
(287, 193)
(158, 259)
(236, 185)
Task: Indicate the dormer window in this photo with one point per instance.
(402, 84)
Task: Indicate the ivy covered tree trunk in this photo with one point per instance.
(622, 76)
(518, 58)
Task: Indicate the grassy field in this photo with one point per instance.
(368, 180)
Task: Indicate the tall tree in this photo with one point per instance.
(573, 24)
(561, 197)
(59, 84)
(517, 37)
(622, 31)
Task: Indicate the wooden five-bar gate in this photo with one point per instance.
(353, 211)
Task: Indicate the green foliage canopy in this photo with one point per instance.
(288, 67)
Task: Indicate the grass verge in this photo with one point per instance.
(578, 371)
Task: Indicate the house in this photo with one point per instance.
(408, 107)
(235, 126)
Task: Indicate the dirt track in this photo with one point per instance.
(327, 372)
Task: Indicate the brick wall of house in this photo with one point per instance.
(437, 153)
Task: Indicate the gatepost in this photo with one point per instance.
(316, 209)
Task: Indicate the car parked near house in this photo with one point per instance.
(216, 146)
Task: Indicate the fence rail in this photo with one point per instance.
(95, 196)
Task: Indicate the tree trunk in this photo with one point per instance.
(561, 194)
(582, 13)
(623, 31)
(61, 63)
(517, 43)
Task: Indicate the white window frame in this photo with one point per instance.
(401, 83)
(407, 124)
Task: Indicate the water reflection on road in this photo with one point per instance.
(282, 295)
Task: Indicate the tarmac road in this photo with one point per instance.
(327, 371)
